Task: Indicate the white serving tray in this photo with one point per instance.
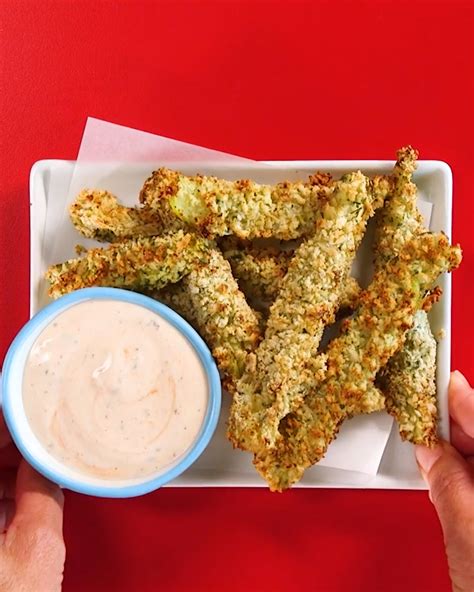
(220, 465)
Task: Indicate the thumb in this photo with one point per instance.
(451, 481)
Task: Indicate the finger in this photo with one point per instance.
(5, 437)
(34, 538)
(39, 502)
(461, 441)
(451, 482)
(38, 519)
(461, 402)
(37, 525)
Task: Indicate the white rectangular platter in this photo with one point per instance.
(220, 465)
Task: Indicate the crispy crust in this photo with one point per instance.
(243, 208)
(227, 322)
(259, 271)
(399, 221)
(350, 294)
(369, 339)
(309, 297)
(177, 298)
(409, 379)
(98, 215)
(156, 194)
(140, 264)
(409, 384)
(209, 297)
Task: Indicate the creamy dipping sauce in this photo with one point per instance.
(113, 390)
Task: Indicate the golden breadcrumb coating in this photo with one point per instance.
(400, 220)
(243, 208)
(409, 379)
(176, 297)
(210, 298)
(369, 339)
(350, 294)
(139, 264)
(408, 382)
(308, 300)
(371, 400)
(98, 214)
(259, 271)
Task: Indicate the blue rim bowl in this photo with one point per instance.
(32, 449)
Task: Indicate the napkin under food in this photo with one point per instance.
(362, 440)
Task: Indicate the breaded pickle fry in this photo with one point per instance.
(98, 214)
(258, 271)
(144, 263)
(231, 328)
(350, 294)
(243, 208)
(156, 194)
(221, 314)
(369, 339)
(209, 298)
(408, 381)
(371, 401)
(309, 297)
(176, 297)
(409, 384)
(400, 220)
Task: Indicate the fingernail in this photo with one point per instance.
(458, 380)
(426, 458)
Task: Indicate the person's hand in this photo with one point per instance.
(32, 550)
(449, 472)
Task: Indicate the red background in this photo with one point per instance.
(267, 80)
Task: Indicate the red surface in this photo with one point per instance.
(266, 80)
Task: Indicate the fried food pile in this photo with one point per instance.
(260, 271)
